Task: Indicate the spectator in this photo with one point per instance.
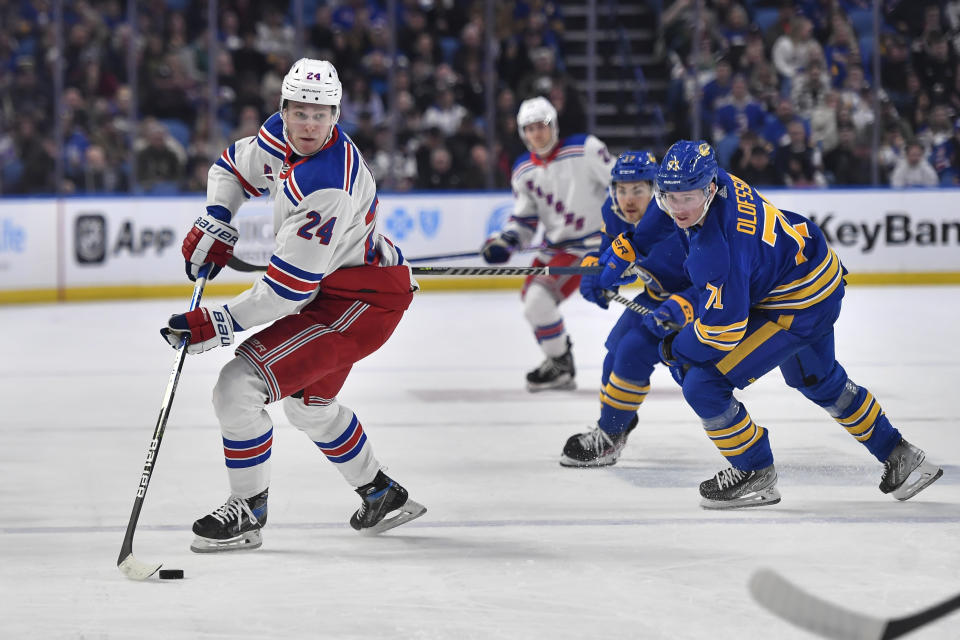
(810, 88)
(913, 170)
(759, 171)
(158, 164)
(775, 129)
(823, 123)
(359, 99)
(937, 139)
(792, 52)
(440, 174)
(797, 163)
(847, 163)
(737, 112)
(98, 176)
(445, 114)
(936, 65)
(892, 149)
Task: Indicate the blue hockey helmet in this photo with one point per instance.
(687, 166)
(635, 166)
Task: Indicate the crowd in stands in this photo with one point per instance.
(783, 91)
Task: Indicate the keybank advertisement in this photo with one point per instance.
(873, 231)
(85, 242)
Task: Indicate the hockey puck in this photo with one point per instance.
(171, 574)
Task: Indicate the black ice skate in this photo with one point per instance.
(595, 448)
(554, 373)
(906, 472)
(736, 489)
(381, 498)
(234, 526)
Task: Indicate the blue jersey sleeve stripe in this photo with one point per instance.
(296, 271)
(284, 292)
(271, 150)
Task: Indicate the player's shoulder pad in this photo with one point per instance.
(575, 140)
(334, 167)
(521, 165)
(709, 259)
(270, 136)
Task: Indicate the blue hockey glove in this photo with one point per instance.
(619, 257)
(497, 248)
(677, 369)
(672, 315)
(590, 288)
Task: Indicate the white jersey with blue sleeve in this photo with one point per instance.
(324, 214)
(564, 191)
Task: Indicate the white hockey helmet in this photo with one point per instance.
(313, 82)
(534, 110)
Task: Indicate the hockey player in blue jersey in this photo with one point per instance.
(633, 222)
(768, 290)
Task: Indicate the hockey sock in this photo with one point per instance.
(742, 442)
(552, 338)
(619, 401)
(865, 420)
(248, 463)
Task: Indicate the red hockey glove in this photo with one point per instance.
(210, 240)
(204, 328)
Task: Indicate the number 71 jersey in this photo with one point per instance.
(564, 191)
(749, 255)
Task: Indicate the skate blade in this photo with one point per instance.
(568, 385)
(410, 510)
(247, 542)
(573, 463)
(919, 479)
(764, 498)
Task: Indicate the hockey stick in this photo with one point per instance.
(560, 246)
(239, 265)
(126, 562)
(785, 599)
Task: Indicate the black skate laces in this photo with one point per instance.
(729, 477)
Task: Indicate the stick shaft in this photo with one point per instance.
(154, 450)
(239, 265)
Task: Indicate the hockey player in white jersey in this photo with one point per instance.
(334, 290)
(561, 184)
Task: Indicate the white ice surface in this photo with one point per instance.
(513, 545)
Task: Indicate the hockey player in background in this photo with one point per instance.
(633, 225)
(562, 184)
(334, 290)
(769, 291)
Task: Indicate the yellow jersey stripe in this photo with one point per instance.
(628, 386)
(605, 399)
(624, 396)
(735, 452)
(766, 331)
(854, 417)
(808, 278)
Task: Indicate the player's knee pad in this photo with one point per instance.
(825, 387)
(842, 402)
(637, 353)
(239, 395)
(707, 392)
(539, 306)
(320, 423)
